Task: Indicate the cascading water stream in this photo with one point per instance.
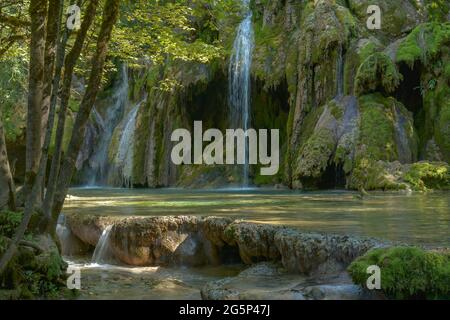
(124, 157)
(239, 81)
(64, 235)
(340, 74)
(114, 113)
(102, 252)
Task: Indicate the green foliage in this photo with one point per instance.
(9, 221)
(437, 10)
(425, 175)
(378, 70)
(406, 272)
(13, 82)
(424, 43)
(170, 29)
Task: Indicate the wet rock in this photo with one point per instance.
(159, 241)
(255, 241)
(306, 253)
(270, 281)
(197, 241)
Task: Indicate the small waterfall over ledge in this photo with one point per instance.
(239, 81)
(102, 252)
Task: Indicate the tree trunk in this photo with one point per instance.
(7, 189)
(54, 81)
(69, 66)
(53, 29)
(111, 10)
(38, 12)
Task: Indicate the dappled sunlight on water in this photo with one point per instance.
(417, 219)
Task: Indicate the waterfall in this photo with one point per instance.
(98, 161)
(124, 157)
(340, 73)
(64, 235)
(239, 81)
(102, 252)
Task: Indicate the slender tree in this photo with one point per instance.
(38, 14)
(69, 66)
(53, 29)
(110, 15)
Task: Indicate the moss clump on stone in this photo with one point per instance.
(424, 43)
(369, 174)
(315, 154)
(377, 71)
(425, 175)
(406, 272)
(377, 129)
(31, 273)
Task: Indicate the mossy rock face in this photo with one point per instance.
(424, 43)
(398, 17)
(437, 115)
(406, 272)
(385, 124)
(377, 72)
(315, 155)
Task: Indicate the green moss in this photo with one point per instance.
(424, 43)
(442, 130)
(377, 135)
(336, 110)
(31, 275)
(425, 175)
(315, 154)
(377, 71)
(406, 273)
(369, 174)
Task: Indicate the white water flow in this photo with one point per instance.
(64, 235)
(239, 81)
(102, 252)
(340, 73)
(124, 156)
(114, 113)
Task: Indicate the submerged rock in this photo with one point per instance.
(269, 281)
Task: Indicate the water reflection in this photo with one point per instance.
(422, 219)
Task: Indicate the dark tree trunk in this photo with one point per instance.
(69, 66)
(7, 189)
(38, 12)
(110, 14)
(53, 29)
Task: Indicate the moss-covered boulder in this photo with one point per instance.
(406, 272)
(37, 270)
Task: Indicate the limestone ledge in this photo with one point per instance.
(197, 241)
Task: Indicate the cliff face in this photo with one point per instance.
(356, 108)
